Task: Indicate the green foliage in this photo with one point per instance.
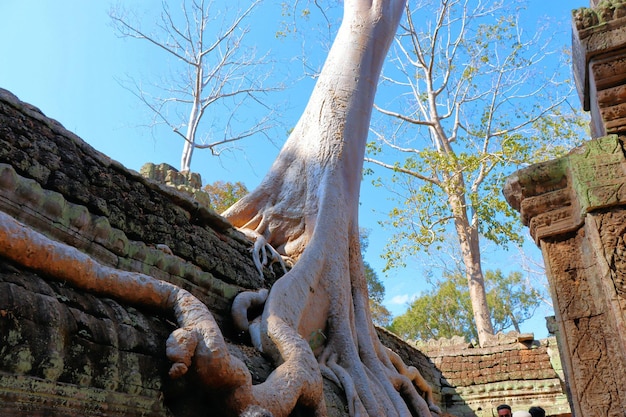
(442, 312)
(473, 96)
(446, 309)
(375, 288)
(224, 194)
(472, 101)
(512, 299)
(380, 315)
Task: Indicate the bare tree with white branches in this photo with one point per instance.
(216, 71)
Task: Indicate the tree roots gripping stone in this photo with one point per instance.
(263, 254)
(316, 321)
(242, 304)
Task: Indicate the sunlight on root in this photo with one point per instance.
(263, 254)
(256, 411)
(416, 378)
(414, 390)
(242, 303)
(180, 348)
(335, 373)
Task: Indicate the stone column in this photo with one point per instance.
(575, 208)
(599, 63)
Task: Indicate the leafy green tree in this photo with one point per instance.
(474, 98)
(512, 299)
(381, 316)
(445, 311)
(225, 194)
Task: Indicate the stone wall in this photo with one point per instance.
(599, 62)
(513, 369)
(189, 183)
(575, 209)
(66, 352)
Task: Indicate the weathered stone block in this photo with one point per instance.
(583, 266)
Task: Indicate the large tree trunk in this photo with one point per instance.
(470, 252)
(471, 258)
(307, 208)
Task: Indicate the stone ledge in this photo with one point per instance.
(23, 395)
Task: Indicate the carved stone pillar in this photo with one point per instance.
(575, 208)
(599, 61)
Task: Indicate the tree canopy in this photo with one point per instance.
(224, 194)
(446, 310)
(471, 97)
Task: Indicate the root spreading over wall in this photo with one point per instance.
(315, 321)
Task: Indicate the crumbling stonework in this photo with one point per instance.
(66, 352)
(189, 183)
(598, 45)
(69, 353)
(514, 369)
(574, 207)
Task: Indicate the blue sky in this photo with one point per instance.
(64, 57)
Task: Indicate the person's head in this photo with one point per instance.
(537, 412)
(521, 414)
(504, 410)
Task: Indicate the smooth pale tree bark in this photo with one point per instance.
(316, 321)
(470, 252)
(307, 208)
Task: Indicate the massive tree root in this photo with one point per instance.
(306, 207)
(316, 321)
